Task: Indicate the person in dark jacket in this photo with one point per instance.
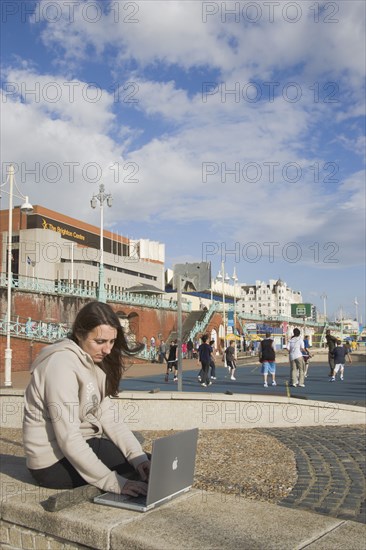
(172, 362)
(190, 349)
(267, 356)
(204, 357)
(212, 360)
(340, 353)
(230, 359)
(331, 343)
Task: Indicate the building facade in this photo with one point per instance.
(269, 299)
(51, 246)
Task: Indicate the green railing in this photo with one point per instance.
(47, 286)
(200, 326)
(279, 318)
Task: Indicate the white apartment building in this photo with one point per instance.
(269, 299)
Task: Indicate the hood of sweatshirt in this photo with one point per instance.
(61, 346)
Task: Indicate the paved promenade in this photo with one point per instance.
(250, 381)
(326, 509)
(331, 468)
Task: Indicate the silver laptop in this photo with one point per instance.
(171, 473)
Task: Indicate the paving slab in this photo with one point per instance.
(347, 536)
(200, 519)
(84, 524)
(207, 521)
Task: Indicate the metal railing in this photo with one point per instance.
(39, 330)
(200, 326)
(47, 286)
(150, 354)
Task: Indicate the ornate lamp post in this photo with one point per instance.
(235, 279)
(26, 207)
(101, 197)
(324, 296)
(224, 278)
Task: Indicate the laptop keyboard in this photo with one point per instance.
(141, 499)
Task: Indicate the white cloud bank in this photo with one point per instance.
(184, 174)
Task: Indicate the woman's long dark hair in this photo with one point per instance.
(93, 315)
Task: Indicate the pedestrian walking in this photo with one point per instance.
(162, 351)
(230, 359)
(190, 349)
(172, 363)
(341, 353)
(212, 361)
(267, 357)
(204, 356)
(306, 355)
(295, 348)
(331, 343)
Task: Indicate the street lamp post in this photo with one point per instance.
(26, 207)
(324, 296)
(72, 267)
(224, 278)
(179, 330)
(356, 305)
(101, 197)
(235, 279)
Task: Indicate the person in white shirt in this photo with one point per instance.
(295, 348)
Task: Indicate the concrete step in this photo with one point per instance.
(201, 520)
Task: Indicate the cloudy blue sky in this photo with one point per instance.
(223, 129)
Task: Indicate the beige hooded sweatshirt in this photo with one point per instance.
(64, 405)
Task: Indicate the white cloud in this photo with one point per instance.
(176, 33)
(170, 170)
(220, 131)
(83, 104)
(59, 153)
(169, 32)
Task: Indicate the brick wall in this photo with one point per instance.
(144, 322)
(24, 352)
(14, 536)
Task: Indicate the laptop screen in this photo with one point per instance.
(172, 465)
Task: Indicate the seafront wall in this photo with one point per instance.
(180, 411)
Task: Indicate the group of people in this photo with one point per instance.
(187, 350)
(171, 358)
(206, 361)
(299, 356)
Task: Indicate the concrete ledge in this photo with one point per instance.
(165, 411)
(197, 520)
